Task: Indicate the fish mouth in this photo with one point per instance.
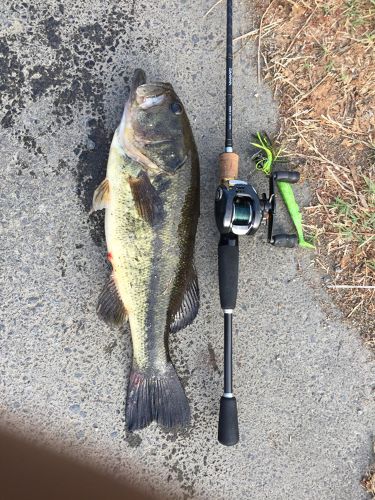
(182, 163)
(139, 78)
(147, 94)
(145, 142)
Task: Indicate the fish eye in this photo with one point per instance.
(176, 108)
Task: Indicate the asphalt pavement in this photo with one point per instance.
(302, 378)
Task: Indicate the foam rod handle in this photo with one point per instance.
(285, 240)
(286, 176)
(228, 273)
(228, 422)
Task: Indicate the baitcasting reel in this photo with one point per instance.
(240, 211)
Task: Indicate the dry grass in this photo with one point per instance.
(319, 58)
(368, 481)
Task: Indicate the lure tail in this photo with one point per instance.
(155, 396)
(289, 199)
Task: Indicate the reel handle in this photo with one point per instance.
(228, 434)
(280, 240)
(284, 240)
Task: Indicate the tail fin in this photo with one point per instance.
(156, 396)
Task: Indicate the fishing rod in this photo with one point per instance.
(239, 211)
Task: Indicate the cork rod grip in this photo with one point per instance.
(228, 165)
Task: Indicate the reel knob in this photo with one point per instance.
(286, 176)
(284, 240)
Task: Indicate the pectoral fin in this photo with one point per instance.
(101, 196)
(146, 199)
(187, 308)
(110, 306)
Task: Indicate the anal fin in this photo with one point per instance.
(146, 199)
(187, 308)
(110, 307)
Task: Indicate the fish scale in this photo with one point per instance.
(140, 272)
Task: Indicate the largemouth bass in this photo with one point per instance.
(151, 198)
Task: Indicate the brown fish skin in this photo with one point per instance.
(151, 196)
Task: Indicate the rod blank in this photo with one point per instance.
(229, 80)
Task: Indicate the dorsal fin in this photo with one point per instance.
(187, 308)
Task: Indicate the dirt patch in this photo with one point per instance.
(319, 58)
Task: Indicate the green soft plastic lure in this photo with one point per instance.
(264, 158)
